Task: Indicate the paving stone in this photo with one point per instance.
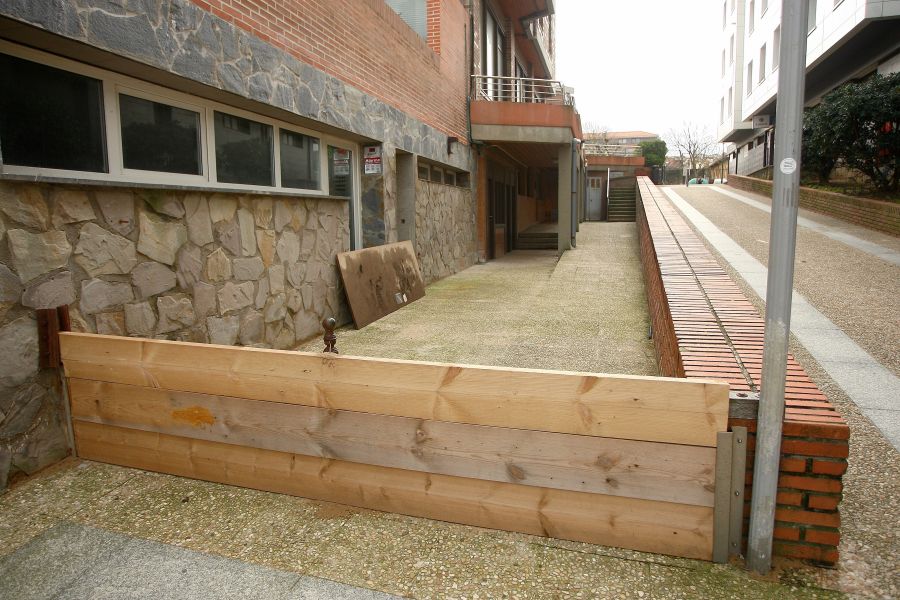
(223, 330)
(229, 236)
(218, 266)
(204, 299)
(265, 240)
(247, 269)
(117, 208)
(19, 349)
(140, 319)
(70, 206)
(10, 286)
(221, 208)
(34, 254)
(175, 312)
(248, 232)
(276, 279)
(25, 205)
(111, 323)
(101, 252)
(199, 223)
(98, 295)
(288, 248)
(25, 404)
(151, 278)
(57, 290)
(189, 265)
(234, 297)
(252, 328)
(160, 239)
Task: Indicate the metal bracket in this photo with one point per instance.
(728, 508)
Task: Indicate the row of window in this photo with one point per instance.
(55, 121)
(436, 174)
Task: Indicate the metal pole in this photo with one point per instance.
(782, 242)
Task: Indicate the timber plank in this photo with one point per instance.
(380, 280)
(616, 406)
(646, 525)
(627, 468)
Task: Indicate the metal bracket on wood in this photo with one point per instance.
(330, 338)
(728, 508)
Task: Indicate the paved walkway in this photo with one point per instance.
(858, 294)
(869, 384)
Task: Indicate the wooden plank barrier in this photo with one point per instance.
(608, 459)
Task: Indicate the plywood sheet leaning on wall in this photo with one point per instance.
(608, 459)
(380, 280)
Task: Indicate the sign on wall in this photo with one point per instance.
(341, 159)
(372, 160)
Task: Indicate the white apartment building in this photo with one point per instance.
(847, 39)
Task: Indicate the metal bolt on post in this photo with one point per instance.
(782, 242)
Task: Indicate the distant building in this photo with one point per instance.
(847, 39)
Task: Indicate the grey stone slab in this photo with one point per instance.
(888, 422)
(51, 563)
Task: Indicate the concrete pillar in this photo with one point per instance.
(406, 196)
(564, 199)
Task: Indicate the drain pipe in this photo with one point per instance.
(574, 191)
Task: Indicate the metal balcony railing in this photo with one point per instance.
(593, 149)
(493, 88)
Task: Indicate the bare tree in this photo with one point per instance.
(694, 145)
(595, 132)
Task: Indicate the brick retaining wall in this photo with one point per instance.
(874, 214)
(705, 327)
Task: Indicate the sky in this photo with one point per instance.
(647, 65)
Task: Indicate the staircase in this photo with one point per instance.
(621, 204)
(537, 240)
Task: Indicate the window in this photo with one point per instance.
(731, 51)
(159, 137)
(776, 47)
(450, 178)
(244, 151)
(730, 101)
(64, 119)
(437, 176)
(340, 174)
(300, 164)
(424, 173)
(811, 21)
(724, 14)
(837, 3)
(51, 118)
(722, 110)
(752, 15)
(723, 63)
(763, 7)
(762, 63)
(732, 6)
(749, 77)
(493, 56)
(413, 12)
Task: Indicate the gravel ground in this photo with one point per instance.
(870, 545)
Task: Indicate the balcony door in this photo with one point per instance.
(493, 58)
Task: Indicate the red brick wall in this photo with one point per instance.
(718, 334)
(367, 45)
(874, 214)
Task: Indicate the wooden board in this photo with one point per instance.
(656, 409)
(646, 525)
(648, 470)
(380, 280)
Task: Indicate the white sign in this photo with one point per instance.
(341, 161)
(761, 121)
(788, 165)
(372, 160)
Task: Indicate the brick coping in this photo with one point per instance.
(704, 327)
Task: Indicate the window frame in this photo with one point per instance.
(762, 63)
(776, 47)
(114, 84)
(749, 78)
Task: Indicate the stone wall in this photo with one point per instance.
(445, 229)
(223, 268)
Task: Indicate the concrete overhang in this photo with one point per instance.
(524, 122)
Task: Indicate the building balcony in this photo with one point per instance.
(517, 109)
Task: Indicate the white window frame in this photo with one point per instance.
(762, 63)
(749, 77)
(751, 15)
(776, 48)
(114, 83)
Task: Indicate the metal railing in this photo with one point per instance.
(595, 149)
(494, 88)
